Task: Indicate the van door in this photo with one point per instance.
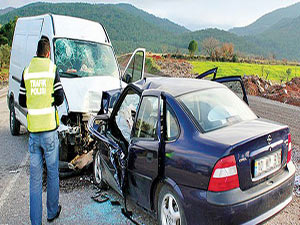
(144, 152)
(26, 37)
(134, 70)
(236, 84)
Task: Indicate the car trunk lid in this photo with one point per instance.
(259, 146)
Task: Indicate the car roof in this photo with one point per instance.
(177, 86)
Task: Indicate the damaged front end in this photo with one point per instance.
(76, 145)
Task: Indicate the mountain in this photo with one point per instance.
(6, 10)
(268, 20)
(130, 28)
(240, 43)
(127, 26)
(164, 24)
(283, 38)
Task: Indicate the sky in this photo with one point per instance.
(193, 14)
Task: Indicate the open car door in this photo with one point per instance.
(236, 84)
(134, 70)
(144, 152)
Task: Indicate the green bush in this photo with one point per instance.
(4, 55)
(151, 66)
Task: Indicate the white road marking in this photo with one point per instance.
(10, 185)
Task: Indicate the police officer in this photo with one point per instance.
(40, 92)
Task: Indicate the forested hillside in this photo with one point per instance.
(265, 22)
(6, 10)
(126, 29)
(129, 28)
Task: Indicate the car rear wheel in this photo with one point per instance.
(97, 169)
(170, 210)
(13, 122)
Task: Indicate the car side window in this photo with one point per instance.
(126, 113)
(171, 124)
(147, 118)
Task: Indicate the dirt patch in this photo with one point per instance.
(288, 93)
(175, 67)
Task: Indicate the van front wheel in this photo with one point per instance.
(14, 123)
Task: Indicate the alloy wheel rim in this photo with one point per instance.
(97, 169)
(170, 211)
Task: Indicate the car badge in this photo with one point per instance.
(269, 139)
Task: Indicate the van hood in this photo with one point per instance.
(84, 94)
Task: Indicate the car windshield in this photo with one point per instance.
(216, 108)
(76, 58)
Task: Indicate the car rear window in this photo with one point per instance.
(216, 108)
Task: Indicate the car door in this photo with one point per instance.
(113, 140)
(236, 84)
(134, 70)
(145, 148)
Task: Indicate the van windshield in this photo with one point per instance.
(77, 58)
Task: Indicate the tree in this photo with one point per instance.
(209, 46)
(4, 55)
(235, 58)
(193, 46)
(227, 51)
(267, 74)
(7, 32)
(288, 73)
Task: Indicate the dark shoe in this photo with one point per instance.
(56, 216)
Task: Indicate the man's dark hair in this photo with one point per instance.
(43, 47)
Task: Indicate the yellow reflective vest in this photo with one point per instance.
(39, 78)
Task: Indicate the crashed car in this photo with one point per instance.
(192, 152)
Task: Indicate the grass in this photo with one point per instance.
(276, 72)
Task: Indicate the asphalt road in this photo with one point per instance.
(78, 207)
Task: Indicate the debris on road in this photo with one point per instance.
(14, 171)
(297, 186)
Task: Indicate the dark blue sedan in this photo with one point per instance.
(192, 152)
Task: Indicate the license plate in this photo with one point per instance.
(267, 164)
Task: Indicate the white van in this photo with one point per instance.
(85, 59)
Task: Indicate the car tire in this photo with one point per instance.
(170, 210)
(97, 170)
(14, 124)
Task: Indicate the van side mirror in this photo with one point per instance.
(127, 78)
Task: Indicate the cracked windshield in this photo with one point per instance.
(75, 58)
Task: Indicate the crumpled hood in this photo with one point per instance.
(84, 94)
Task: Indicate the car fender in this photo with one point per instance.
(175, 187)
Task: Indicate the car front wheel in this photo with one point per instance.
(170, 210)
(97, 169)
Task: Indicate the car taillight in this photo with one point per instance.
(289, 155)
(224, 176)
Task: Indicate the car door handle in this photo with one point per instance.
(149, 157)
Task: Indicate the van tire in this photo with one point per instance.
(14, 123)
